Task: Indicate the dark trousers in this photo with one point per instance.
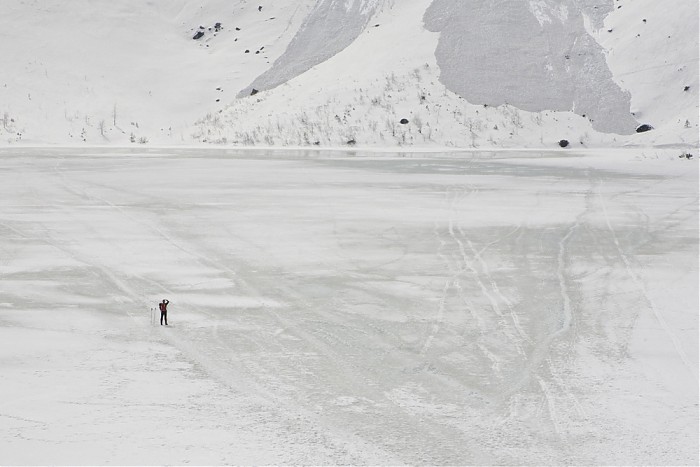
(163, 315)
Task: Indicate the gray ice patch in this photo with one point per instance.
(331, 26)
(533, 54)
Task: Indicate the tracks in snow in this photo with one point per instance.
(658, 313)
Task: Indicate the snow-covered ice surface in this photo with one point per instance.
(485, 308)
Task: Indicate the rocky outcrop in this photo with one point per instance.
(535, 55)
(331, 27)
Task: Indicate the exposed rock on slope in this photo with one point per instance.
(331, 27)
(534, 55)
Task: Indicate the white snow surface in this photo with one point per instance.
(337, 72)
(517, 308)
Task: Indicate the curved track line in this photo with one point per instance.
(640, 285)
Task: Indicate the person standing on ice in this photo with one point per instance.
(163, 311)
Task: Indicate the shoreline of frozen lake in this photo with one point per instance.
(427, 309)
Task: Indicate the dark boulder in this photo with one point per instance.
(403, 121)
(644, 127)
(198, 35)
(254, 92)
(686, 88)
(563, 143)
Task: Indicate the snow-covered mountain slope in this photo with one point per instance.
(336, 72)
(69, 66)
(652, 50)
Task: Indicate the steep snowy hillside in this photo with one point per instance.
(356, 72)
(652, 50)
(96, 72)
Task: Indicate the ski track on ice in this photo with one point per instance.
(468, 258)
(478, 255)
(542, 353)
(458, 271)
(658, 314)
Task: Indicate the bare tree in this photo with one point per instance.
(101, 126)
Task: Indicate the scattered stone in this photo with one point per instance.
(238, 29)
(644, 127)
(247, 51)
(217, 27)
(351, 142)
(254, 92)
(260, 8)
(198, 35)
(644, 20)
(563, 143)
(404, 121)
(686, 88)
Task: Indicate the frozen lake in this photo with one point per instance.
(512, 308)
